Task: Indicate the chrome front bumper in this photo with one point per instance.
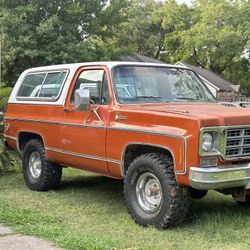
(220, 178)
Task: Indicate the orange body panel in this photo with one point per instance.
(82, 140)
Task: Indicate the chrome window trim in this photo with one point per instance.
(88, 68)
(115, 94)
(48, 99)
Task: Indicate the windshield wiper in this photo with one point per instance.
(148, 96)
(186, 98)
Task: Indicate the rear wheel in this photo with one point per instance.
(152, 194)
(39, 174)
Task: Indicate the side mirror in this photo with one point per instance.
(82, 99)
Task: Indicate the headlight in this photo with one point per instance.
(207, 142)
(212, 141)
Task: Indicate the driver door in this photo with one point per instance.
(83, 133)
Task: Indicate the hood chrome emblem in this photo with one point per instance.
(180, 111)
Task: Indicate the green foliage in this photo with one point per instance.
(213, 34)
(214, 40)
(1, 125)
(4, 96)
(43, 32)
(9, 160)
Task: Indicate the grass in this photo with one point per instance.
(88, 212)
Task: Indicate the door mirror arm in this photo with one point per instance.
(95, 111)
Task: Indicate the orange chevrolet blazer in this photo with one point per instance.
(156, 126)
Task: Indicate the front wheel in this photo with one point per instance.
(39, 174)
(152, 194)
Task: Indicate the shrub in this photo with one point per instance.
(9, 160)
(4, 95)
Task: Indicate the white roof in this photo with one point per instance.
(71, 68)
(109, 64)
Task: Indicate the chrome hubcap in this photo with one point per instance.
(149, 192)
(35, 165)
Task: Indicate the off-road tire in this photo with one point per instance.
(175, 198)
(197, 194)
(50, 176)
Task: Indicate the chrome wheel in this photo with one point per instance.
(35, 165)
(149, 192)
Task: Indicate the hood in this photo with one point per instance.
(210, 114)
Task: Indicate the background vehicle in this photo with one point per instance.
(237, 104)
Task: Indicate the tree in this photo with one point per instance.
(213, 34)
(136, 33)
(43, 32)
(172, 19)
(215, 40)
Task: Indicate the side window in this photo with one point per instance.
(96, 82)
(31, 85)
(52, 84)
(42, 85)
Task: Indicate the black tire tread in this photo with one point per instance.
(179, 196)
(51, 173)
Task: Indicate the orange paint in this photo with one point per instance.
(79, 139)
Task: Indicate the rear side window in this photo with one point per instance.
(42, 85)
(52, 84)
(31, 83)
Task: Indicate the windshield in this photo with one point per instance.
(146, 84)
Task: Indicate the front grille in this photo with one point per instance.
(237, 142)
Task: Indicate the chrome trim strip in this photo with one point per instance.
(118, 129)
(114, 161)
(146, 144)
(92, 157)
(55, 122)
(147, 132)
(81, 125)
(10, 137)
(27, 131)
(162, 134)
